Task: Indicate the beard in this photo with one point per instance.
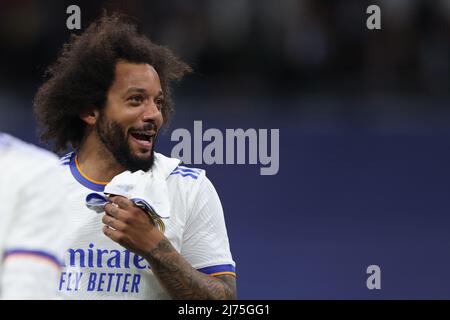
(115, 139)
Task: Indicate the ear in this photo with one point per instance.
(90, 115)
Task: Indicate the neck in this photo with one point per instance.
(96, 161)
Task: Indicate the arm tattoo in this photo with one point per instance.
(182, 281)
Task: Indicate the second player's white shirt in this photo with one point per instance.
(32, 220)
(98, 268)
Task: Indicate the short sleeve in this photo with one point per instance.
(205, 240)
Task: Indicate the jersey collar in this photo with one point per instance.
(165, 166)
(82, 178)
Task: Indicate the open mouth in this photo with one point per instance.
(143, 138)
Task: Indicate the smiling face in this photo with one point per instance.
(129, 123)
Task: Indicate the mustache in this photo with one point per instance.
(146, 127)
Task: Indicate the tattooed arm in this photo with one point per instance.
(182, 281)
(131, 227)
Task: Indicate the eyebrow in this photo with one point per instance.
(140, 90)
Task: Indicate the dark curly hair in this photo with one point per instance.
(85, 70)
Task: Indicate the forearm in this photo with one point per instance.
(131, 227)
(181, 280)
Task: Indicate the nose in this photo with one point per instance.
(151, 112)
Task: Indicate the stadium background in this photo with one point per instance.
(364, 130)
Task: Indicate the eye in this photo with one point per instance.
(159, 103)
(136, 99)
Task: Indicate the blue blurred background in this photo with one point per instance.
(364, 130)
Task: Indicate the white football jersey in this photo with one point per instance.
(98, 268)
(32, 221)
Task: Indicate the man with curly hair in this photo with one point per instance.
(108, 96)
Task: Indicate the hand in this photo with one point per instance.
(130, 226)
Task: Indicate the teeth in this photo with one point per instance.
(143, 136)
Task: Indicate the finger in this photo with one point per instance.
(108, 231)
(113, 222)
(112, 209)
(114, 235)
(122, 202)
